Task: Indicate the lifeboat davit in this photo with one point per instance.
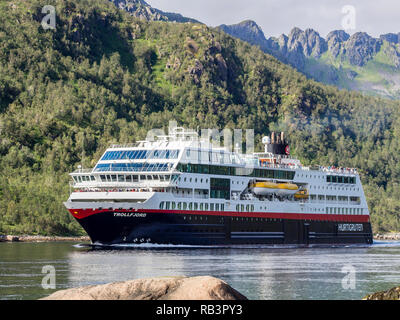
(267, 188)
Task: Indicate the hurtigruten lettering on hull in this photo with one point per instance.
(180, 189)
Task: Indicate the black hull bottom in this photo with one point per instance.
(179, 229)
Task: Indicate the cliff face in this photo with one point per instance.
(247, 31)
(358, 62)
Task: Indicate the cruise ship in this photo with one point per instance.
(180, 189)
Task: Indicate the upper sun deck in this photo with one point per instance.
(163, 153)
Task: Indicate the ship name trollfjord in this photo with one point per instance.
(179, 189)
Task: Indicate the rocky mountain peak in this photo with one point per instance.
(335, 39)
(309, 42)
(361, 47)
(391, 37)
(142, 10)
(247, 30)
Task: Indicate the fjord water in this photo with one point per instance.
(258, 273)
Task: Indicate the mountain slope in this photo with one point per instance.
(358, 62)
(105, 77)
(140, 9)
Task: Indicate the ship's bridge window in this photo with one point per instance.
(140, 154)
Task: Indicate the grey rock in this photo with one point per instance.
(315, 45)
(247, 31)
(196, 71)
(222, 67)
(335, 40)
(390, 37)
(361, 47)
(141, 9)
(170, 288)
(352, 74)
(392, 294)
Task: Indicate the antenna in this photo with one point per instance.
(83, 149)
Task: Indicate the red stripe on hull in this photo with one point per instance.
(84, 213)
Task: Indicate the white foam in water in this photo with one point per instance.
(380, 244)
(182, 246)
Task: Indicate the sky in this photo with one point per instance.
(275, 17)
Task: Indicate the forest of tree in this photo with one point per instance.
(104, 77)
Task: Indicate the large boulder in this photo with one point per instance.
(392, 294)
(170, 288)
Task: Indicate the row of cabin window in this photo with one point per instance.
(233, 219)
(344, 210)
(234, 171)
(335, 198)
(335, 188)
(192, 206)
(203, 206)
(122, 178)
(210, 156)
(340, 179)
(133, 178)
(243, 208)
(140, 154)
(80, 179)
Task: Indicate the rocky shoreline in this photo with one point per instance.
(27, 238)
(387, 236)
(392, 294)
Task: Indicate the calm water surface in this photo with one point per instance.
(258, 273)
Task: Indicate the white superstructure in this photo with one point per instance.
(182, 172)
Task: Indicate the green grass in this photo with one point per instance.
(159, 75)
